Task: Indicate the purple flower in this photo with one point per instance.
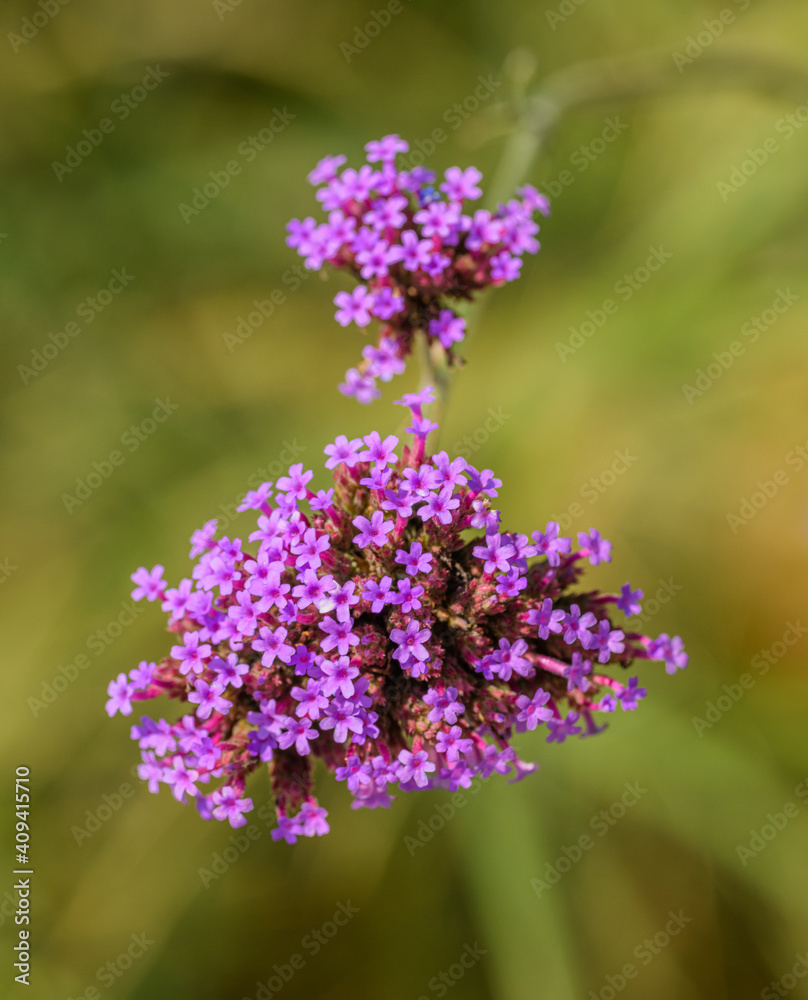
(386, 304)
(560, 729)
(410, 641)
(272, 645)
(209, 698)
(629, 601)
(385, 149)
(326, 170)
(607, 640)
(448, 328)
(534, 199)
(495, 553)
(298, 732)
(230, 671)
(504, 267)
(630, 696)
(372, 531)
(244, 613)
(672, 651)
(310, 549)
(355, 773)
(384, 360)
(150, 583)
(415, 560)
(549, 544)
(577, 626)
(378, 593)
(445, 706)
(176, 600)
(343, 451)
(453, 744)
(229, 805)
(338, 635)
(295, 482)
(439, 505)
(509, 658)
(343, 717)
(339, 677)
(408, 596)
(311, 820)
(191, 654)
(181, 780)
(462, 184)
(532, 711)
(413, 252)
(361, 387)
(378, 451)
(353, 307)
(287, 829)
(342, 598)
(576, 673)
(120, 693)
(547, 619)
(597, 548)
(414, 767)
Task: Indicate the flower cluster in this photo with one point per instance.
(386, 625)
(412, 248)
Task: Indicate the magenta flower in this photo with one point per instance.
(406, 650)
(413, 249)
(150, 584)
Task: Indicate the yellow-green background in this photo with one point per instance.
(654, 186)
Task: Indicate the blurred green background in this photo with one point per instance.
(652, 182)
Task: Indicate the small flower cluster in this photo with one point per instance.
(386, 625)
(412, 247)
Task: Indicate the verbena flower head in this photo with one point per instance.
(414, 248)
(387, 626)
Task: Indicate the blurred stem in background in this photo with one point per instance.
(531, 118)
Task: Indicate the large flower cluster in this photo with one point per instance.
(412, 247)
(386, 625)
